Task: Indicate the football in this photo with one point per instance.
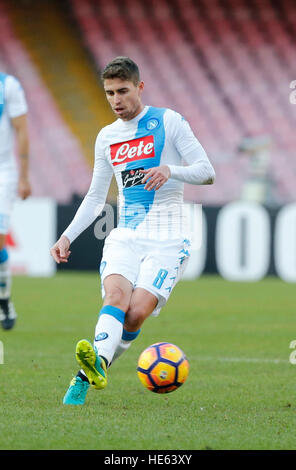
(162, 367)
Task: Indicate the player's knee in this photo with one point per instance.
(116, 297)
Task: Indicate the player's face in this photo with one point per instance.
(124, 97)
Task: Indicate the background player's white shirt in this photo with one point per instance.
(12, 104)
(157, 136)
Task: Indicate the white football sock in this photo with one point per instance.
(126, 341)
(121, 348)
(108, 331)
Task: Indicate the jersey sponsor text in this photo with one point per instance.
(132, 150)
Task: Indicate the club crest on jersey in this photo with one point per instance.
(132, 177)
(152, 124)
(132, 150)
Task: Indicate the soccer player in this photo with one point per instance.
(13, 181)
(146, 254)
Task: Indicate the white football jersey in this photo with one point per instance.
(155, 137)
(12, 104)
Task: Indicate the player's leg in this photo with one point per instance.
(159, 272)
(4, 270)
(108, 331)
(118, 269)
(8, 191)
(7, 312)
(94, 359)
(142, 304)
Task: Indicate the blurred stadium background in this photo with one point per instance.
(227, 65)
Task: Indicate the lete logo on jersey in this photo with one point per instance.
(132, 150)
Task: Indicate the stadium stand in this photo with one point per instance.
(58, 167)
(64, 65)
(225, 65)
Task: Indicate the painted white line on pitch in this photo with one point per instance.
(244, 359)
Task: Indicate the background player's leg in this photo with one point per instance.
(7, 313)
(5, 277)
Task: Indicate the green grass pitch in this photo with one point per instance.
(240, 393)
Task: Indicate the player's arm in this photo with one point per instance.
(199, 170)
(17, 111)
(91, 206)
(20, 126)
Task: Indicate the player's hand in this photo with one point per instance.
(60, 250)
(157, 176)
(24, 188)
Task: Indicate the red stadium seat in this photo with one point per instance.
(57, 165)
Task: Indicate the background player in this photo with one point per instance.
(13, 122)
(145, 256)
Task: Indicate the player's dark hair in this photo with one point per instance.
(123, 68)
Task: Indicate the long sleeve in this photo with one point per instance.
(199, 170)
(94, 201)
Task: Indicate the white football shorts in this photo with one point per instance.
(154, 265)
(8, 194)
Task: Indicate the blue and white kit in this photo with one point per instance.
(12, 104)
(150, 245)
